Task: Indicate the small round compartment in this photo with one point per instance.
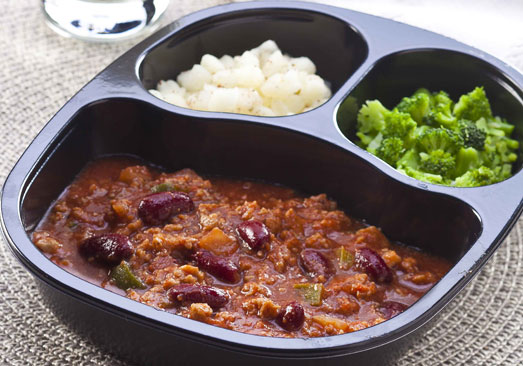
(401, 74)
(334, 46)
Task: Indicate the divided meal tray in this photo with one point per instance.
(361, 57)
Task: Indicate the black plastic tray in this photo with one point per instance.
(363, 57)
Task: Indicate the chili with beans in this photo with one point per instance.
(247, 256)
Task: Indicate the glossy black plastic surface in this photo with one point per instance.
(364, 57)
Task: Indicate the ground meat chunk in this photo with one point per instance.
(391, 258)
(200, 311)
(46, 243)
(359, 286)
(261, 307)
(346, 306)
(371, 237)
(420, 278)
(122, 209)
(135, 175)
(409, 265)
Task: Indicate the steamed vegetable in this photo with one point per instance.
(429, 137)
(123, 277)
(345, 258)
(311, 292)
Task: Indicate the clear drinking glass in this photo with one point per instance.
(103, 20)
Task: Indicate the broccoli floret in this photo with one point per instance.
(439, 139)
(417, 106)
(472, 135)
(441, 111)
(499, 150)
(437, 162)
(371, 120)
(503, 172)
(398, 124)
(442, 102)
(375, 143)
(499, 124)
(423, 176)
(409, 164)
(409, 160)
(476, 177)
(466, 159)
(505, 148)
(390, 150)
(473, 106)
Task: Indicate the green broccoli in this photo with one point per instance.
(472, 135)
(390, 150)
(437, 162)
(466, 159)
(429, 138)
(398, 124)
(371, 120)
(384, 133)
(423, 176)
(499, 124)
(499, 150)
(409, 164)
(440, 114)
(437, 149)
(503, 172)
(439, 139)
(481, 176)
(417, 106)
(473, 106)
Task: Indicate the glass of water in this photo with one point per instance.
(103, 20)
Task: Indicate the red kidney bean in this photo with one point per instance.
(291, 316)
(107, 248)
(221, 268)
(370, 262)
(253, 233)
(157, 208)
(390, 309)
(188, 294)
(182, 203)
(316, 264)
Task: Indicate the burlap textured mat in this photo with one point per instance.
(39, 71)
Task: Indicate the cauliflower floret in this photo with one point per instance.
(262, 81)
(195, 78)
(212, 64)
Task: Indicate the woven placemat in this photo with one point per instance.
(39, 71)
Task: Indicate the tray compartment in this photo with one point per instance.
(401, 74)
(334, 46)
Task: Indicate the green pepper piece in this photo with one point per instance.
(345, 258)
(124, 278)
(311, 292)
(164, 187)
(72, 224)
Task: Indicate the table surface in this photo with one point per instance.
(40, 71)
